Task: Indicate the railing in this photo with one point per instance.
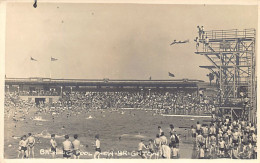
(233, 33)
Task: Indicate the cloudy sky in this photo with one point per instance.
(116, 41)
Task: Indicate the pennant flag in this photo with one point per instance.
(32, 59)
(171, 75)
(35, 4)
(53, 59)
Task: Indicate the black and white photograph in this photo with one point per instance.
(129, 80)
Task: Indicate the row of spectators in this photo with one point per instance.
(166, 102)
(169, 102)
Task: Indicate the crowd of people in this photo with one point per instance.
(160, 147)
(16, 107)
(235, 139)
(69, 148)
(157, 148)
(165, 102)
(220, 138)
(77, 102)
(225, 138)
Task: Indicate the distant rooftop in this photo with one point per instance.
(103, 82)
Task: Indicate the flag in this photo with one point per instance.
(32, 59)
(171, 75)
(53, 59)
(35, 4)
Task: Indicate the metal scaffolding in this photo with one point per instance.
(232, 55)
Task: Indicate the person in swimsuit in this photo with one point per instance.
(193, 132)
(198, 127)
(174, 145)
(200, 140)
(222, 147)
(163, 139)
(172, 129)
(151, 149)
(31, 142)
(53, 144)
(20, 147)
(97, 145)
(67, 146)
(235, 138)
(141, 145)
(158, 145)
(23, 144)
(76, 145)
(160, 130)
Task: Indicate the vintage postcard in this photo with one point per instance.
(87, 80)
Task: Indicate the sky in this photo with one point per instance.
(115, 41)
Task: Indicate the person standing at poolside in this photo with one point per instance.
(163, 139)
(53, 144)
(76, 145)
(158, 146)
(141, 145)
(31, 143)
(151, 149)
(23, 144)
(198, 127)
(98, 149)
(67, 147)
(20, 147)
(160, 130)
(172, 129)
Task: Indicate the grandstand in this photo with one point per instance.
(48, 90)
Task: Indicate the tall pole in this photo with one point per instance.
(50, 69)
(234, 80)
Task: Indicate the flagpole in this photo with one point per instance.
(30, 66)
(50, 69)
